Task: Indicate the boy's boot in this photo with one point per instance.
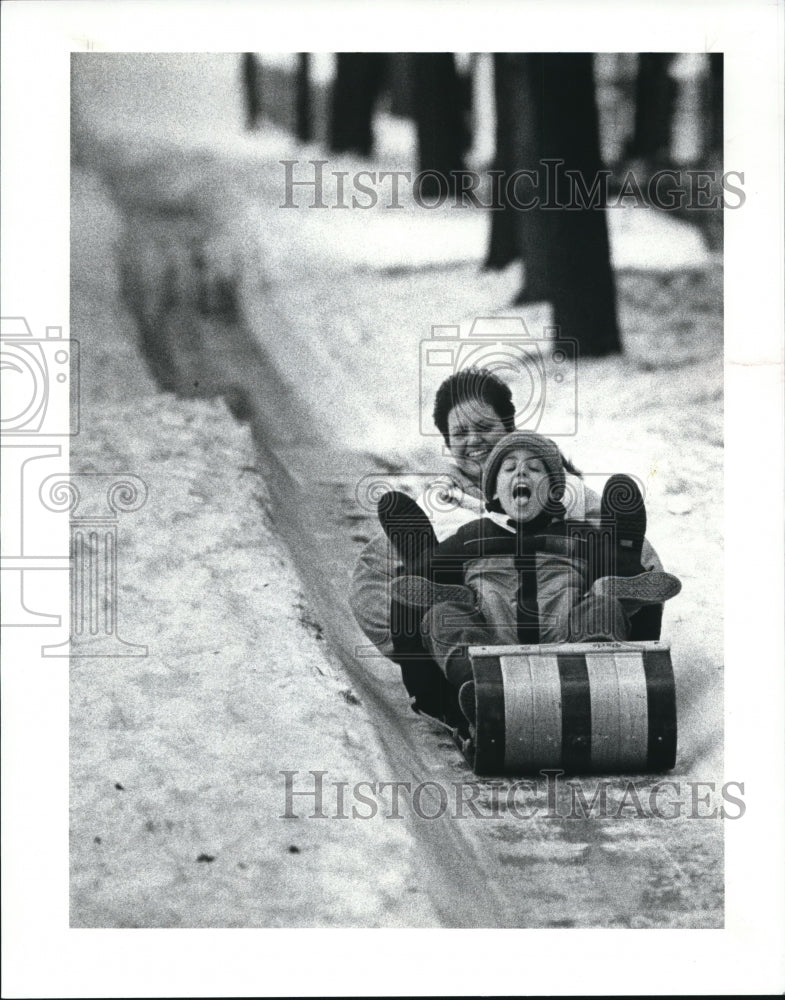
(419, 593)
(413, 539)
(635, 592)
(606, 613)
(407, 526)
(622, 503)
(620, 585)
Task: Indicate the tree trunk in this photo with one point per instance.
(655, 94)
(251, 89)
(503, 247)
(358, 82)
(566, 252)
(303, 114)
(401, 84)
(716, 103)
(440, 116)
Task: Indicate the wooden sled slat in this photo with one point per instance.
(587, 707)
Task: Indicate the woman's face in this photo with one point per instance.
(474, 429)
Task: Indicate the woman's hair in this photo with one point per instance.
(473, 385)
(480, 385)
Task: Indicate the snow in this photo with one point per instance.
(177, 755)
(340, 303)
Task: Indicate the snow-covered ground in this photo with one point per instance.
(175, 756)
(339, 302)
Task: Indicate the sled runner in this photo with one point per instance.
(587, 707)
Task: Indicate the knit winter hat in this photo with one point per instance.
(538, 445)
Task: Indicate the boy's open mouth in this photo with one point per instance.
(521, 492)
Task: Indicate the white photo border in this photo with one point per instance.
(42, 956)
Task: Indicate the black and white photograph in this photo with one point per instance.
(393, 495)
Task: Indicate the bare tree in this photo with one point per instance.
(359, 79)
(252, 89)
(548, 114)
(302, 99)
(504, 244)
(715, 136)
(655, 93)
(440, 105)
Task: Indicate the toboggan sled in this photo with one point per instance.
(587, 707)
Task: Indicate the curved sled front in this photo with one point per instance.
(605, 707)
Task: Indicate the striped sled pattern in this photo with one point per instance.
(605, 707)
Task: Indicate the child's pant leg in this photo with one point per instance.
(448, 629)
(597, 619)
(561, 584)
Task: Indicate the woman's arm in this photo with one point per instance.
(369, 596)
